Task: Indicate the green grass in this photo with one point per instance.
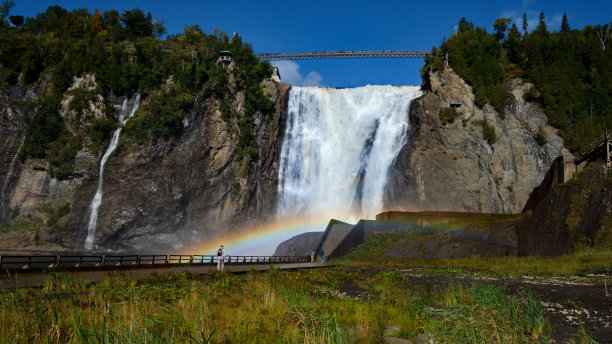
(584, 262)
(305, 306)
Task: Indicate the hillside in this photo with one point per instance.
(571, 71)
(197, 153)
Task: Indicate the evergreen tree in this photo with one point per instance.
(465, 25)
(525, 24)
(514, 45)
(541, 29)
(565, 27)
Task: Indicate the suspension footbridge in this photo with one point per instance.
(344, 54)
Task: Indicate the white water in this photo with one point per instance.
(127, 111)
(338, 149)
(7, 180)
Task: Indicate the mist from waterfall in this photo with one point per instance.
(339, 147)
(128, 108)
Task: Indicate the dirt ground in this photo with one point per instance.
(570, 302)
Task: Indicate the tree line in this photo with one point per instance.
(125, 53)
(570, 68)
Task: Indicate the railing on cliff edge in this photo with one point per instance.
(344, 54)
(68, 262)
(588, 149)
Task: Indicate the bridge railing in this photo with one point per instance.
(586, 150)
(71, 262)
(343, 53)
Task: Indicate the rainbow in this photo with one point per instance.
(261, 239)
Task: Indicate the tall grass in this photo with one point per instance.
(261, 307)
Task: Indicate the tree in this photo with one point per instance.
(602, 34)
(16, 20)
(500, 26)
(525, 24)
(5, 9)
(565, 27)
(136, 24)
(514, 44)
(158, 28)
(541, 29)
(96, 23)
(465, 25)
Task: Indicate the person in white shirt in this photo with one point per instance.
(220, 258)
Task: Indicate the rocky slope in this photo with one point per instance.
(451, 167)
(166, 194)
(571, 216)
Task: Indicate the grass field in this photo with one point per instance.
(306, 306)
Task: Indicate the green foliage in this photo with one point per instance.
(124, 53)
(46, 136)
(532, 94)
(58, 214)
(488, 132)
(447, 115)
(45, 128)
(571, 71)
(541, 137)
(161, 117)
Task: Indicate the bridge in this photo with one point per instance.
(345, 54)
(600, 146)
(30, 270)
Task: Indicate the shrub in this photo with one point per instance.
(488, 132)
(541, 137)
(447, 115)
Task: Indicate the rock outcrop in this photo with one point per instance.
(167, 195)
(299, 245)
(451, 167)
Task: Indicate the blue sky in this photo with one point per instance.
(303, 26)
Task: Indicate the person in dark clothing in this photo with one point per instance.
(321, 256)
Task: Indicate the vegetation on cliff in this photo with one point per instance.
(125, 54)
(571, 70)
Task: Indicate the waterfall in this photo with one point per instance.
(339, 147)
(128, 108)
(7, 180)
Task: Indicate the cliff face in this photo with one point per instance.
(451, 167)
(165, 194)
(571, 216)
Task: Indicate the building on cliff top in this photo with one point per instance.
(225, 59)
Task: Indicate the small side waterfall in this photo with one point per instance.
(338, 149)
(128, 108)
(7, 180)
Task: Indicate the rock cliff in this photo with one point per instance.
(166, 194)
(448, 165)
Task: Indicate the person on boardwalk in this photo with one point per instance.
(322, 256)
(312, 256)
(220, 258)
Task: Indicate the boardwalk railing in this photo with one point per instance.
(344, 54)
(31, 263)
